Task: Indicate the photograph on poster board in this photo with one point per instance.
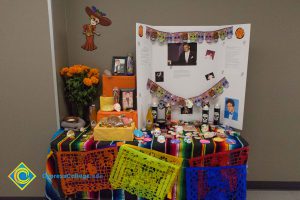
(182, 54)
(186, 111)
(119, 65)
(210, 54)
(231, 109)
(210, 76)
(159, 76)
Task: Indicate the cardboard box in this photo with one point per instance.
(130, 114)
(109, 82)
(113, 134)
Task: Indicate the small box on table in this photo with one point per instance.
(114, 133)
(109, 82)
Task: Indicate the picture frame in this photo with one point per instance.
(186, 111)
(128, 99)
(119, 65)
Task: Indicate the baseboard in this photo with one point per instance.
(273, 185)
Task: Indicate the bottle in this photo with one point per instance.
(149, 119)
(217, 115)
(130, 65)
(93, 116)
(205, 114)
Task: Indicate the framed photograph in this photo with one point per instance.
(159, 76)
(128, 99)
(119, 65)
(182, 54)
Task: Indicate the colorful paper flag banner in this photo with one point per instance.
(190, 36)
(200, 100)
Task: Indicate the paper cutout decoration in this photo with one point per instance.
(200, 100)
(94, 167)
(147, 173)
(89, 30)
(189, 36)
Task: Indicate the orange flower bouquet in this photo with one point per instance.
(80, 85)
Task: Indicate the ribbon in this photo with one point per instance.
(190, 36)
(200, 100)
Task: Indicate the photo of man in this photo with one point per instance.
(182, 53)
(231, 109)
(119, 66)
(127, 100)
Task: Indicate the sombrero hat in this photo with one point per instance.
(104, 21)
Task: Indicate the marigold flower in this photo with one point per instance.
(87, 82)
(64, 70)
(94, 80)
(69, 74)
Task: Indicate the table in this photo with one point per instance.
(60, 142)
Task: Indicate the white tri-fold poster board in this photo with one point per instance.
(189, 60)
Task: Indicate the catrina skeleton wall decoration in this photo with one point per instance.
(89, 30)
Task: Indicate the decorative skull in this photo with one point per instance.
(225, 84)
(169, 37)
(188, 139)
(216, 36)
(167, 97)
(160, 92)
(161, 37)
(174, 100)
(154, 114)
(153, 88)
(229, 32)
(193, 37)
(204, 128)
(148, 31)
(161, 105)
(198, 101)
(216, 116)
(209, 37)
(189, 103)
(200, 37)
(212, 93)
(205, 118)
(177, 38)
(181, 102)
(153, 36)
(222, 34)
(184, 36)
(219, 89)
